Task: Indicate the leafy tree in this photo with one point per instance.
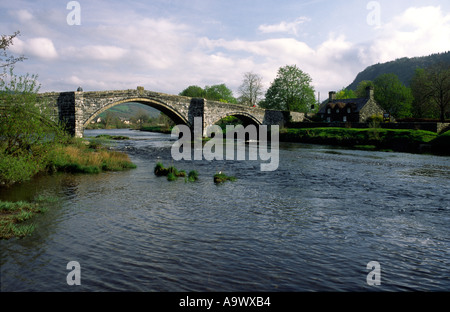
(291, 90)
(250, 89)
(140, 118)
(7, 61)
(393, 95)
(362, 87)
(422, 106)
(220, 93)
(434, 84)
(215, 93)
(193, 91)
(25, 131)
(345, 94)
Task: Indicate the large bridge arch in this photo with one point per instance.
(170, 112)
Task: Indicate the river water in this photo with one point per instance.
(312, 225)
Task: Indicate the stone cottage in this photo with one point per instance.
(350, 110)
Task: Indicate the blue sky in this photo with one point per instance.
(168, 45)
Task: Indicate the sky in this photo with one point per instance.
(168, 45)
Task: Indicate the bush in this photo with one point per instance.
(16, 169)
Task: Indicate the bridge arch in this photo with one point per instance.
(169, 111)
(246, 118)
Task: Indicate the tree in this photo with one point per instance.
(194, 92)
(214, 93)
(8, 61)
(26, 132)
(345, 94)
(220, 93)
(422, 106)
(393, 95)
(362, 87)
(291, 90)
(436, 87)
(140, 118)
(250, 89)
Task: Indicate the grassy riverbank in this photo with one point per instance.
(158, 129)
(75, 156)
(413, 141)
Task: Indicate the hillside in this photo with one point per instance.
(129, 110)
(404, 68)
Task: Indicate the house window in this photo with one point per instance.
(337, 110)
(329, 111)
(328, 119)
(349, 110)
(344, 119)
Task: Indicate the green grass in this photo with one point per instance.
(13, 216)
(192, 176)
(112, 137)
(78, 156)
(171, 173)
(159, 129)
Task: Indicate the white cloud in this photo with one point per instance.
(22, 16)
(284, 27)
(416, 32)
(41, 47)
(95, 52)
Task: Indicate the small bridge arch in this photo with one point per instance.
(246, 118)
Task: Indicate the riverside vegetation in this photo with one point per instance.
(32, 144)
(173, 173)
(413, 141)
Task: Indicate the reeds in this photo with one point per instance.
(14, 214)
(82, 159)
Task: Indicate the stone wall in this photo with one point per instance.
(370, 109)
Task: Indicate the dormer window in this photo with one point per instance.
(329, 111)
(337, 110)
(349, 110)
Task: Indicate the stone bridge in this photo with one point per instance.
(77, 109)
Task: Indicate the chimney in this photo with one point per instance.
(369, 92)
(332, 96)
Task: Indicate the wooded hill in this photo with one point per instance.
(404, 68)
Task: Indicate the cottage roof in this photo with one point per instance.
(355, 104)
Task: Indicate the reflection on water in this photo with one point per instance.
(313, 224)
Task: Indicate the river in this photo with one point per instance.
(312, 225)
